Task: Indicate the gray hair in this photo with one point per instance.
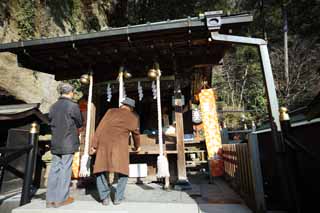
(65, 88)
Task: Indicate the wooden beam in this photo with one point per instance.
(256, 173)
(181, 164)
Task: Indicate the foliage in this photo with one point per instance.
(143, 11)
(239, 82)
(4, 13)
(304, 19)
(304, 72)
(78, 14)
(78, 90)
(75, 13)
(26, 18)
(303, 51)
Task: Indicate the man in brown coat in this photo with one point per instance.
(110, 144)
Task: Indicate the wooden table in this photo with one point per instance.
(150, 151)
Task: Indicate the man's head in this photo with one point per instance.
(128, 103)
(66, 90)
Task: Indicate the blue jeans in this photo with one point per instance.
(59, 178)
(104, 189)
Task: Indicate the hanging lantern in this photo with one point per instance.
(196, 115)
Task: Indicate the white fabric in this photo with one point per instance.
(162, 161)
(84, 168)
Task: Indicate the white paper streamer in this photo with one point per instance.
(124, 91)
(109, 93)
(154, 90)
(140, 91)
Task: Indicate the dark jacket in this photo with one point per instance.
(65, 119)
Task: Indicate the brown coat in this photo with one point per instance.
(112, 138)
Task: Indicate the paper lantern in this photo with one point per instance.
(196, 116)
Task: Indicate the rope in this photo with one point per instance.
(86, 146)
(84, 169)
(159, 115)
(120, 87)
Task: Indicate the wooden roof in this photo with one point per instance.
(175, 44)
(21, 111)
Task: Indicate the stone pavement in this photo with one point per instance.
(150, 197)
(133, 207)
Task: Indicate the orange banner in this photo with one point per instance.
(210, 122)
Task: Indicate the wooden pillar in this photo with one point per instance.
(256, 173)
(181, 164)
(96, 101)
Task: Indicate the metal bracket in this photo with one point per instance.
(213, 19)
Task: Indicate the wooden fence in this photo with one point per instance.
(243, 172)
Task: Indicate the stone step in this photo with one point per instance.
(38, 206)
(95, 207)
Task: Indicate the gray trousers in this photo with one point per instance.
(104, 189)
(59, 178)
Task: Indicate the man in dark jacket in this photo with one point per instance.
(65, 119)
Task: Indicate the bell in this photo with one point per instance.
(84, 79)
(127, 74)
(152, 73)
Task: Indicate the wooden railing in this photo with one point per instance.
(243, 172)
(9, 154)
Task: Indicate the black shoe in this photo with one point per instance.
(105, 202)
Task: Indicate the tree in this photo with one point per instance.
(239, 82)
(304, 69)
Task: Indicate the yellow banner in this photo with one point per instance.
(210, 122)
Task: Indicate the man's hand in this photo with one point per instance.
(136, 149)
(93, 151)
(81, 129)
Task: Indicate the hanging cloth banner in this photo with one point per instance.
(210, 122)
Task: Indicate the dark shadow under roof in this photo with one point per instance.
(179, 43)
